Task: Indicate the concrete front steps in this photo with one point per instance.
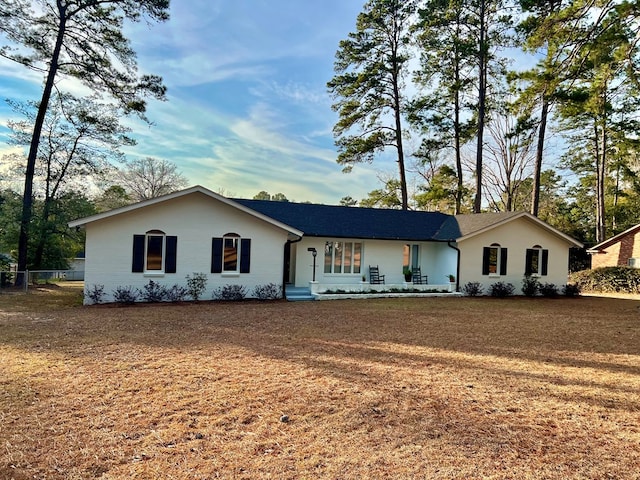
(298, 294)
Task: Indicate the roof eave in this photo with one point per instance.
(610, 241)
(196, 189)
(529, 217)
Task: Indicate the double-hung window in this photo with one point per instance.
(230, 254)
(154, 253)
(343, 257)
(536, 261)
(494, 260)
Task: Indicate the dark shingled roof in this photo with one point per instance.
(354, 222)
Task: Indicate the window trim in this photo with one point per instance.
(543, 261)
(168, 254)
(234, 237)
(355, 261)
(501, 260)
(243, 255)
(147, 240)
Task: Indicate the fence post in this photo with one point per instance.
(26, 281)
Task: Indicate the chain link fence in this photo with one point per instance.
(23, 280)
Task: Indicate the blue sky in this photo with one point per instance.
(247, 107)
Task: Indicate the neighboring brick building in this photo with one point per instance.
(620, 250)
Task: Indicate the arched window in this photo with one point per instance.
(536, 261)
(494, 260)
(154, 252)
(230, 254)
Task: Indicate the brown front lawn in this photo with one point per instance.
(438, 388)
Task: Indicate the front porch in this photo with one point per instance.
(318, 288)
(363, 290)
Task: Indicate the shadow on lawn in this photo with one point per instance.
(472, 335)
(475, 350)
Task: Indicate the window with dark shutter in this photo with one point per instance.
(245, 255)
(545, 261)
(170, 262)
(503, 261)
(494, 260)
(154, 253)
(536, 260)
(529, 268)
(216, 255)
(486, 254)
(230, 254)
(138, 254)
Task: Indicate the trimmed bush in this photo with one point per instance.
(95, 293)
(126, 294)
(571, 290)
(530, 286)
(501, 289)
(196, 285)
(549, 290)
(608, 279)
(153, 292)
(472, 289)
(177, 293)
(270, 291)
(230, 292)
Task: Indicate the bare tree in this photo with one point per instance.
(511, 156)
(149, 177)
(82, 40)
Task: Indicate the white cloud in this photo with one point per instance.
(271, 129)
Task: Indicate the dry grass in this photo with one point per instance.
(411, 388)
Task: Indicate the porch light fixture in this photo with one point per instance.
(314, 252)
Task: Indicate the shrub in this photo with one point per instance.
(153, 292)
(95, 293)
(549, 290)
(196, 285)
(501, 289)
(608, 279)
(5, 261)
(230, 292)
(270, 291)
(571, 290)
(177, 293)
(530, 286)
(472, 289)
(126, 294)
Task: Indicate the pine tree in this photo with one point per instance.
(368, 86)
(82, 39)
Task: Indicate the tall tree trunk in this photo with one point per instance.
(482, 94)
(600, 178)
(27, 199)
(601, 164)
(535, 194)
(616, 199)
(42, 235)
(398, 129)
(456, 124)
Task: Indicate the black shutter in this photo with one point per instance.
(503, 261)
(545, 261)
(138, 254)
(245, 255)
(486, 253)
(170, 254)
(527, 262)
(216, 255)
